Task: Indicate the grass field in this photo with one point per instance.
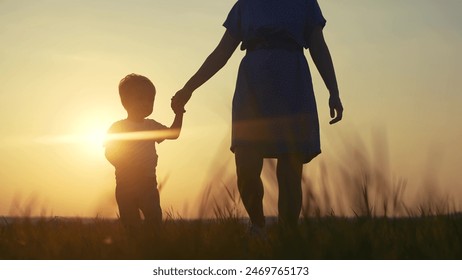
(431, 237)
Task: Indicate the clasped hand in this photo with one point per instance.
(179, 100)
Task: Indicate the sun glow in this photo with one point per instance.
(94, 137)
(90, 136)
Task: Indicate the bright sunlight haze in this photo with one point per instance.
(398, 65)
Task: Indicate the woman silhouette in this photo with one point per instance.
(274, 111)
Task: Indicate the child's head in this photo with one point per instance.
(137, 95)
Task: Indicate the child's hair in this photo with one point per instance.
(134, 83)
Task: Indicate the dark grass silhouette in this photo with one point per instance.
(430, 237)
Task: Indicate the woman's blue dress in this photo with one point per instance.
(274, 108)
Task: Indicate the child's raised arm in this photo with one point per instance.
(175, 128)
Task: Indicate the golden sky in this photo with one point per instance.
(398, 65)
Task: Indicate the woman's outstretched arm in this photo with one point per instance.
(323, 60)
(214, 62)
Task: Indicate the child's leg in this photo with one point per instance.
(128, 208)
(149, 202)
(248, 166)
(289, 174)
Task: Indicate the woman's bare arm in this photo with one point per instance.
(323, 61)
(214, 62)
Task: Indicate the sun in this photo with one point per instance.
(95, 137)
(91, 134)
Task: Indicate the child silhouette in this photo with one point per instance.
(131, 149)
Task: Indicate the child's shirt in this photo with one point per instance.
(131, 147)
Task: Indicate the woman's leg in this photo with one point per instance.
(249, 165)
(289, 174)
